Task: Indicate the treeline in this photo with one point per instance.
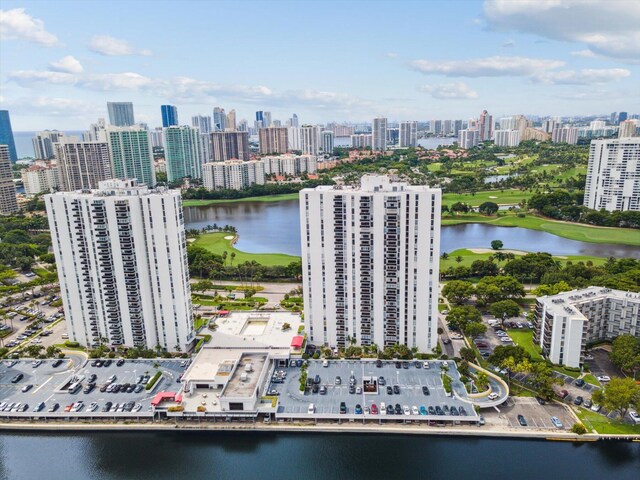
(563, 205)
(253, 191)
(23, 239)
(206, 264)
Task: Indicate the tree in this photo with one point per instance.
(619, 394)
(459, 258)
(554, 289)
(202, 286)
(444, 255)
(474, 329)
(484, 268)
(488, 208)
(505, 287)
(496, 244)
(458, 291)
(505, 308)
(468, 354)
(458, 317)
(502, 352)
(482, 381)
(460, 207)
(625, 353)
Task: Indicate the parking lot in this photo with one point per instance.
(536, 416)
(409, 381)
(49, 384)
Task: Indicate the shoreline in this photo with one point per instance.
(347, 427)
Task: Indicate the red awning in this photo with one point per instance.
(162, 396)
(223, 312)
(297, 341)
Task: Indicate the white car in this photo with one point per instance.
(406, 410)
(425, 364)
(77, 406)
(493, 396)
(93, 407)
(312, 409)
(505, 339)
(383, 407)
(325, 363)
(414, 410)
(137, 408)
(556, 422)
(604, 378)
(634, 416)
(595, 407)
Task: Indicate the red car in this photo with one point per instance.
(374, 409)
(68, 408)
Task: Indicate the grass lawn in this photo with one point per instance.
(264, 198)
(216, 243)
(468, 257)
(602, 424)
(506, 197)
(589, 378)
(569, 373)
(524, 338)
(573, 231)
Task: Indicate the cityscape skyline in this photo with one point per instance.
(522, 61)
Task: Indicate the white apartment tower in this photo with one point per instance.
(232, 174)
(566, 134)
(370, 263)
(506, 138)
(121, 253)
(468, 138)
(408, 134)
(310, 139)
(82, 165)
(613, 175)
(379, 133)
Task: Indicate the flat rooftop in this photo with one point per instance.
(255, 329)
(244, 379)
(563, 303)
(211, 363)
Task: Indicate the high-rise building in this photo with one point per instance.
(447, 127)
(294, 120)
(468, 138)
(327, 141)
(267, 119)
(202, 122)
(506, 138)
(622, 116)
(40, 179)
(393, 136)
(131, 154)
(156, 138)
(182, 152)
(121, 114)
(293, 136)
(260, 120)
(361, 140)
(614, 118)
(97, 132)
(457, 126)
(293, 165)
(408, 134)
(121, 253)
(549, 125)
(273, 140)
(230, 146)
(613, 175)
(231, 121)
(232, 174)
(219, 120)
(169, 115)
(310, 139)
(628, 128)
(565, 134)
(370, 264)
(82, 165)
(508, 123)
(485, 123)
(43, 144)
(6, 135)
(379, 132)
(8, 202)
(243, 125)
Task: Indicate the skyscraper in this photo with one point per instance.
(310, 139)
(82, 165)
(6, 135)
(229, 146)
(468, 138)
(8, 202)
(219, 120)
(203, 123)
(613, 175)
(370, 263)
(260, 120)
(231, 121)
(273, 140)
(121, 254)
(485, 124)
(293, 136)
(627, 128)
(43, 144)
(506, 138)
(379, 132)
(408, 134)
(120, 114)
(327, 142)
(131, 154)
(266, 119)
(622, 116)
(182, 152)
(566, 134)
(294, 120)
(169, 115)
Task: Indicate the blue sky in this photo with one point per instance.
(60, 62)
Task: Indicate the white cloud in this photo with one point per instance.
(110, 46)
(67, 64)
(449, 91)
(487, 67)
(27, 78)
(587, 76)
(16, 24)
(392, 55)
(53, 106)
(608, 28)
(584, 53)
(115, 81)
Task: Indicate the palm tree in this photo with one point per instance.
(224, 257)
(233, 256)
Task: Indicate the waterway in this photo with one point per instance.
(238, 456)
(273, 227)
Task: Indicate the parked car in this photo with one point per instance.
(374, 409)
(587, 403)
(358, 409)
(312, 409)
(579, 382)
(396, 389)
(604, 378)
(595, 407)
(414, 410)
(381, 381)
(338, 380)
(522, 421)
(556, 422)
(26, 388)
(425, 390)
(389, 390)
(563, 394)
(343, 408)
(634, 416)
(578, 400)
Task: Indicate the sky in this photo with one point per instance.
(61, 61)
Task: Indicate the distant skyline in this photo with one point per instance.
(61, 62)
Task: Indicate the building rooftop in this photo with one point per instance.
(246, 330)
(563, 303)
(376, 183)
(245, 377)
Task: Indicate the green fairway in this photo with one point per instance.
(468, 257)
(573, 231)
(506, 197)
(265, 198)
(216, 243)
(524, 338)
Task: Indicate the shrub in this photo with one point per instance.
(71, 344)
(175, 408)
(316, 355)
(153, 380)
(579, 428)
